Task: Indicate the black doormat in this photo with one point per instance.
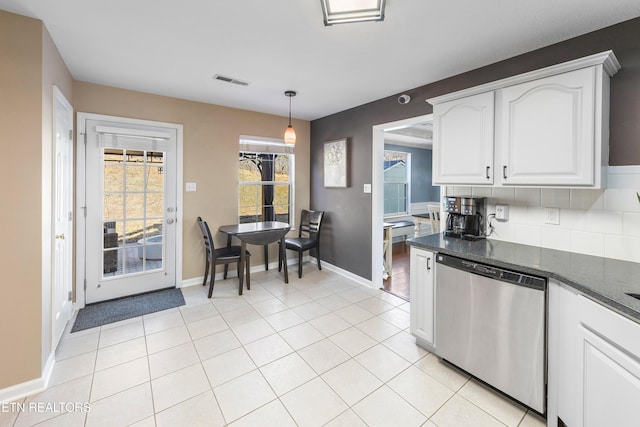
(103, 313)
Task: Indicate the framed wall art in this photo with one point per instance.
(335, 163)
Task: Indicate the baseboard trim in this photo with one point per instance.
(291, 261)
(48, 369)
(19, 391)
(190, 282)
(233, 272)
(349, 275)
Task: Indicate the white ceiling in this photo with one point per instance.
(418, 136)
(174, 48)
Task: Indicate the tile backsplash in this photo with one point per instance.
(594, 222)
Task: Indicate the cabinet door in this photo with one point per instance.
(421, 290)
(563, 390)
(463, 132)
(611, 384)
(547, 134)
(594, 362)
(609, 364)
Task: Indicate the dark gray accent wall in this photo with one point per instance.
(421, 179)
(347, 236)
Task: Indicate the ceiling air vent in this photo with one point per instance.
(230, 80)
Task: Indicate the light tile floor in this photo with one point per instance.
(322, 350)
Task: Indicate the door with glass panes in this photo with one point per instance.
(131, 209)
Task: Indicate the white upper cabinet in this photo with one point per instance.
(547, 130)
(548, 127)
(465, 128)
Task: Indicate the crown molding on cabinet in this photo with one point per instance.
(607, 59)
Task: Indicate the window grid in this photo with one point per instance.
(265, 186)
(132, 205)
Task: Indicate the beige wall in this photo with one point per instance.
(21, 213)
(31, 65)
(210, 148)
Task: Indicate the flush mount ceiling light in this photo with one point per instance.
(345, 11)
(290, 134)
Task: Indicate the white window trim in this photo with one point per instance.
(264, 145)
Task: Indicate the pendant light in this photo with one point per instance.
(290, 134)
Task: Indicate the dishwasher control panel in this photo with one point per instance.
(493, 272)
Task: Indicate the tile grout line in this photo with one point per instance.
(205, 371)
(153, 400)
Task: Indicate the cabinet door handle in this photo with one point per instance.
(504, 172)
(488, 167)
(428, 266)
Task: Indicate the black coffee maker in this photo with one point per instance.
(465, 217)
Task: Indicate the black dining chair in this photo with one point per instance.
(308, 238)
(226, 256)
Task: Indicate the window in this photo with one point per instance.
(265, 177)
(396, 182)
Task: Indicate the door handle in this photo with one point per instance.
(428, 266)
(488, 167)
(60, 236)
(170, 221)
(504, 172)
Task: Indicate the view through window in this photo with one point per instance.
(266, 169)
(396, 182)
(132, 210)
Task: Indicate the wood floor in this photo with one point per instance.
(398, 283)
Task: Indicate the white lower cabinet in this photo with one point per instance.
(594, 362)
(422, 296)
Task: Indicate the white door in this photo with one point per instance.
(62, 305)
(131, 209)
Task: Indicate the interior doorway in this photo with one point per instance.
(130, 203)
(401, 131)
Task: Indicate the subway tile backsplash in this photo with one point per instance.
(555, 198)
(594, 222)
(631, 224)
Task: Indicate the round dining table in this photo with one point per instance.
(258, 233)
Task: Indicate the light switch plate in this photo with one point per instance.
(367, 188)
(190, 186)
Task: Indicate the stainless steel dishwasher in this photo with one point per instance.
(491, 323)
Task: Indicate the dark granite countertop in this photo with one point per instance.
(605, 280)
